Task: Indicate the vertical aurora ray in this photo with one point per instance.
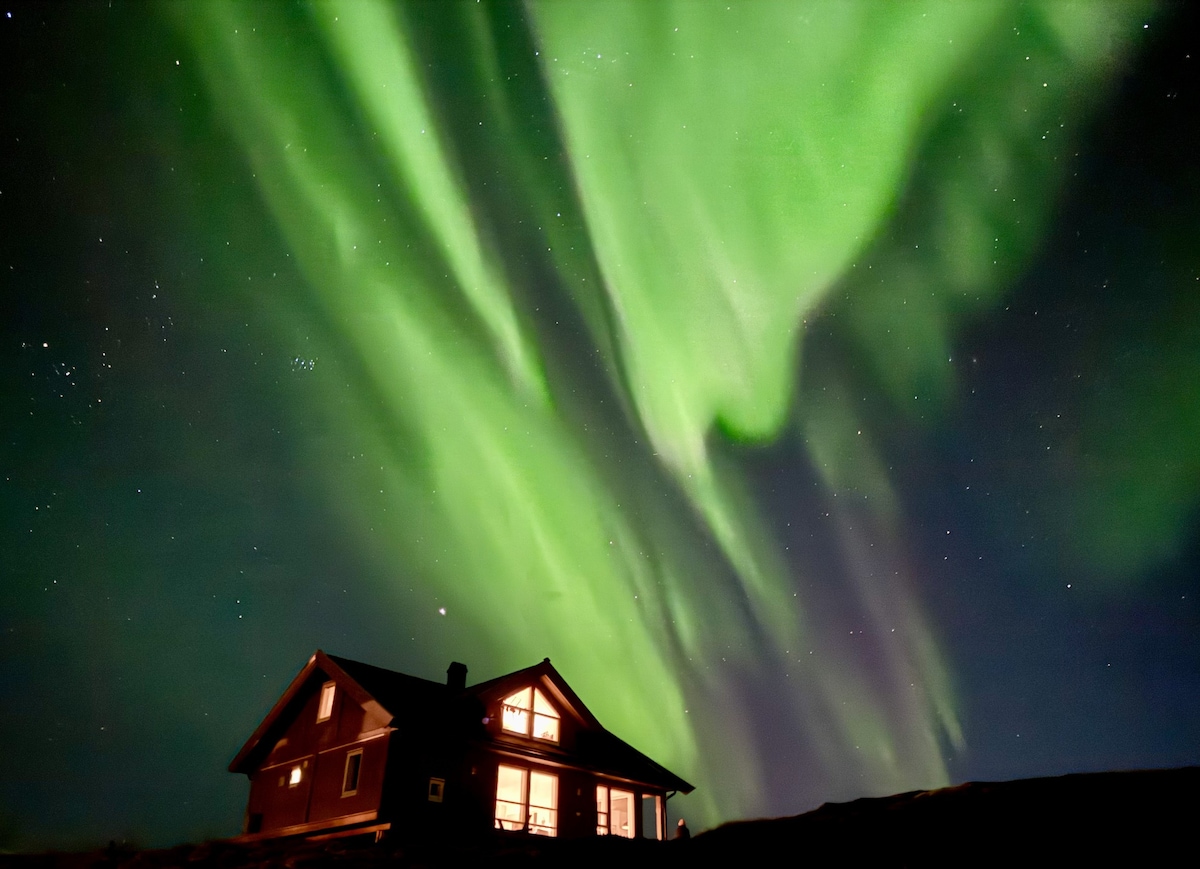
(723, 174)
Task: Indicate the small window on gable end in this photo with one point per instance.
(353, 770)
(325, 707)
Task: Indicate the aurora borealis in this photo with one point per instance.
(816, 383)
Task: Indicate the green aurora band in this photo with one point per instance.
(562, 257)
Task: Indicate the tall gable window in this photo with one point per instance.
(325, 707)
(529, 713)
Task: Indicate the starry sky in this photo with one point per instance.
(816, 384)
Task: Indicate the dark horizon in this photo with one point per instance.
(831, 421)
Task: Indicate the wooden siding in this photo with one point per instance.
(319, 748)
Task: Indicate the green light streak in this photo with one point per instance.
(733, 168)
(373, 55)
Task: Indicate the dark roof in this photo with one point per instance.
(597, 748)
(393, 692)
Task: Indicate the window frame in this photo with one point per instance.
(633, 812)
(437, 789)
(527, 808)
(530, 714)
(350, 755)
(325, 703)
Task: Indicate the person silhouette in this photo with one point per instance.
(682, 831)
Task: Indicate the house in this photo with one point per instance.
(354, 748)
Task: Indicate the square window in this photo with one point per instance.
(437, 787)
(526, 800)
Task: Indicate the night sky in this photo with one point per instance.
(816, 384)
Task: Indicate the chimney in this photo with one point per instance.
(456, 676)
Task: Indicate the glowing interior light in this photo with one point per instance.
(510, 797)
(601, 810)
(517, 717)
(543, 804)
(516, 712)
(621, 817)
(545, 719)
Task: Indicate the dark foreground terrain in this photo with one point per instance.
(1122, 818)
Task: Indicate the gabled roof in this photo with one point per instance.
(394, 691)
(263, 738)
(387, 693)
(597, 748)
(503, 686)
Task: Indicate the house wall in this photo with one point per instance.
(319, 750)
(460, 745)
(576, 788)
(576, 793)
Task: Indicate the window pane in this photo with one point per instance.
(543, 802)
(353, 765)
(623, 822)
(325, 707)
(545, 727)
(520, 700)
(516, 712)
(652, 820)
(510, 797)
(510, 784)
(601, 810)
(542, 705)
(543, 790)
(543, 822)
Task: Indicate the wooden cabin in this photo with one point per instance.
(352, 748)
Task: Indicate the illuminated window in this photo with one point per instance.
(601, 810)
(526, 800)
(614, 812)
(529, 713)
(294, 778)
(325, 708)
(350, 776)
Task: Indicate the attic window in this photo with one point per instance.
(529, 713)
(325, 708)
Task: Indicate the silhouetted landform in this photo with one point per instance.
(1122, 818)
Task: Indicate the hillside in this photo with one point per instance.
(1121, 817)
